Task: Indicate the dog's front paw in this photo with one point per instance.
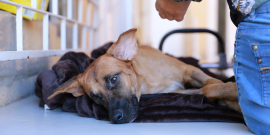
(211, 91)
(213, 81)
(221, 91)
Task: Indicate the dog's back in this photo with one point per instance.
(157, 72)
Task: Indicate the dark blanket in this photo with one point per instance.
(153, 108)
(101, 50)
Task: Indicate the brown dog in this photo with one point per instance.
(118, 78)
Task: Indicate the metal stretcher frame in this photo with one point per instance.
(25, 54)
(222, 56)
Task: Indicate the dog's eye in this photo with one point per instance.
(113, 79)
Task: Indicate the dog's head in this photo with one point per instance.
(110, 80)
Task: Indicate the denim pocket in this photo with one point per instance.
(262, 54)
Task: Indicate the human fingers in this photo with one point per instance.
(170, 17)
(162, 15)
(179, 18)
(157, 6)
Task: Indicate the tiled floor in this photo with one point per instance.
(26, 118)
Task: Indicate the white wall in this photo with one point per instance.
(154, 28)
(115, 17)
(230, 38)
(212, 24)
(159, 27)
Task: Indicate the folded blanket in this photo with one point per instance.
(101, 50)
(153, 108)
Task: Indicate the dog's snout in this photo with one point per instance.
(117, 116)
(123, 110)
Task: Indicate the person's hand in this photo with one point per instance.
(171, 10)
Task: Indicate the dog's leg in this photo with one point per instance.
(198, 78)
(214, 88)
(211, 87)
(233, 104)
(226, 91)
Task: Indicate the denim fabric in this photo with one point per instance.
(252, 69)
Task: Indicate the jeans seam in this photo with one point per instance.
(257, 55)
(262, 9)
(254, 31)
(264, 85)
(266, 90)
(263, 53)
(239, 98)
(266, 71)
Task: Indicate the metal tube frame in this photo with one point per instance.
(222, 56)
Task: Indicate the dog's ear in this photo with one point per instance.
(71, 86)
(126, 47)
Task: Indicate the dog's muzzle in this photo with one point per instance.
(123, 111)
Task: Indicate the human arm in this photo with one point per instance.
(173, 9)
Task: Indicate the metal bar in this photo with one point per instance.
(75, 36)
(221, 21)
(54, 7)
(127, 14)
(214, 65)
(45, 32)
(95, 24)
(91, 39)
(209, 65)
(19, 30)
(88, 14)
(69, 9)
(88, 22)
(95, 3)
(14, 55)
(34, 3)
(96, 18)
(44, 12)
(80, 11)
(63, 34)
(96, 39)
(221, 42)
(222, 56)
(84, 37)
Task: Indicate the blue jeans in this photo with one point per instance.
(252, 69)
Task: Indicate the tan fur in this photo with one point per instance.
(145, 70)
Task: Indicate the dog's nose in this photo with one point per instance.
(117, 116)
